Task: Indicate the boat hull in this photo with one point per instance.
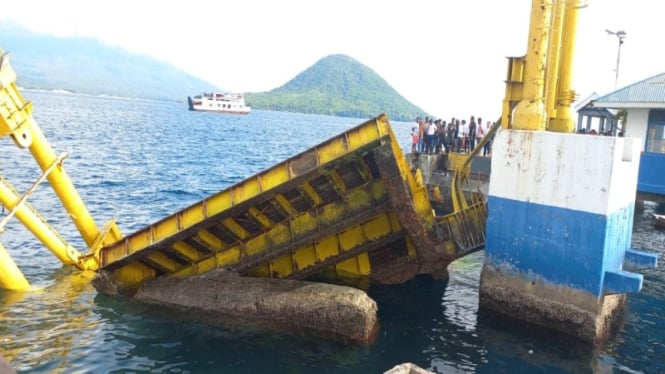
(202, 105)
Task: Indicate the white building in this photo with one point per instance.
(644, 103)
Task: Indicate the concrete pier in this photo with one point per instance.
(559, 230)
(338, 313)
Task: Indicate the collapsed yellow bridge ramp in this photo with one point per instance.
(350, 205)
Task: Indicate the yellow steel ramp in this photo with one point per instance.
(350, 204)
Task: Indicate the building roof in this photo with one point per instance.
(647, 93)
(581, 104)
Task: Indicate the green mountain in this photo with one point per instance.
(337, 85)
(85, 65)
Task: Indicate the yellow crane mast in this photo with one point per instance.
(17, 122)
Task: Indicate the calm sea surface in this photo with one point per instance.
(138, 161)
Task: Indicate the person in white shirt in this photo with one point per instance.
(431, 136)
(463, 136)
(480, 131)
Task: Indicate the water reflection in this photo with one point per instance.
(41, 328)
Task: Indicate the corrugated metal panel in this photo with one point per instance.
(650, 90)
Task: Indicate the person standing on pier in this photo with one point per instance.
(480, 132)
(430, 128)
(415, 139)
(421, 135)
(441, 134)
(472, 134)
(451, 136)
(487, 148)
(463, 137)
(458, 136)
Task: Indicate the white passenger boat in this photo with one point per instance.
(225, 102)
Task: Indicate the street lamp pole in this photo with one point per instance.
(620, 35)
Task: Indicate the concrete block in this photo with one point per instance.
(296, 307)
(619, 281)
(635, 260)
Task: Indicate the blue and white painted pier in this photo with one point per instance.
(560, 219)
(559, 230)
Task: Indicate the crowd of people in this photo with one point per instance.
(432, 136)
(594, 132)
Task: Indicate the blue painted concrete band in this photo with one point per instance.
(561, 246)
(635, 260)
(651, 176)
(619, 281)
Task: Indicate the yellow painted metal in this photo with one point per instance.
(336, 246)
(553, 56)
(17, 122)
(30, 190)
(460, 164)
(355, 266)
(305, 224)
(514, 89)
(325, 209)
(563, 122)
(133, 275)
(242, 192)
(311, 193)
(37, 225)
(530, 112)
(11, 277)
(187, 251)
(465, 228)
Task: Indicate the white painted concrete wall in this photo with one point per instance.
(589, 173)
(636, 126)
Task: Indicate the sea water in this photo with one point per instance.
(137, 161)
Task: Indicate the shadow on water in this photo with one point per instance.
(437, 325)
(423, 322)
(511, 343)
(660, 208)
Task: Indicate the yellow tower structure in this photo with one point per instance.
(553, 58)
(563, 120)
(530, 112)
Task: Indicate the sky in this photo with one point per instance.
(447, 57)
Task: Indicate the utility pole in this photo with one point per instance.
(620, 35)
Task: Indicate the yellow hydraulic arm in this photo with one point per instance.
(17, 122)
(461, 169)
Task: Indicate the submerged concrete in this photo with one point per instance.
(572, 312)
(334, 312)
(407, 368)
